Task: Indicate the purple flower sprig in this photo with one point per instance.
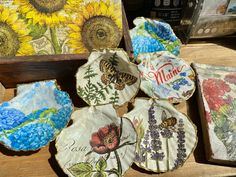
(156, 144)
(151, 143)
(181, 151)
(167, 133)
(140, 156)
(144, 148)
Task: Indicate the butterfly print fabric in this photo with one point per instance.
(108, 77)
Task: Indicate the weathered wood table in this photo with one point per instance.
(43, 164)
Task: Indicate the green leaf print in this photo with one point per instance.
(101, 164)
(83, 169)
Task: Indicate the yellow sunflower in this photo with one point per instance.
(72, 6)
(14, 35)
(47, 12)
(97, 25)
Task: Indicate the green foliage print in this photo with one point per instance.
(95, 93)
(85, 169)
(89, 73)
(115, 97)
(38, 31)
(225, 127)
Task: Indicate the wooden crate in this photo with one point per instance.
(15, 70)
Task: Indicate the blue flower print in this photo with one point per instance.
(143, 44)
(10, 118)
(31, 137)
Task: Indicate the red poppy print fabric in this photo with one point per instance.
(106, 139)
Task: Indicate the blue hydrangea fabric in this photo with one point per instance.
(153, 36)
(35, 116)
(151, 45)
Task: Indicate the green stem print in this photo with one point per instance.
(55, 42)
(140, 133)
(167, 155)
(157, 164)
(119, 167)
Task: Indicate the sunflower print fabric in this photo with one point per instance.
(100, 26)
(37, 27)
(14, 36)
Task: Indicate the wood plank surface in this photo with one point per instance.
(43, 164)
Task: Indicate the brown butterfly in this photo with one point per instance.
(169, 122)
(112, 75)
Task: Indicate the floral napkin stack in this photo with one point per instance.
(217, 103)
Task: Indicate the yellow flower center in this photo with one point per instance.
(48, 6)
(108, 139)
(100, 32)
(9, 42)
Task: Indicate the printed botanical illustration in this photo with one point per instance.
(153, 36)
(104, 142)
(98, 143)
(165, 76)
(96, 92)
(35, 27)
(34, 117)
(151, 143)
(162, 143)
(218, 89)
(107, 79)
